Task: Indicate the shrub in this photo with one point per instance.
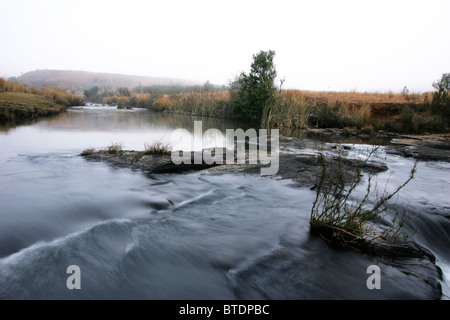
(443, 83)
(2, 85)
(328, 117)
(406, 118)
(163, 102)
(429, 122)
(143, 100)
(158, 147)
(123, 102)
(75, 100)
(368, 130)
(62, 97)
(353, 225)
(441, 103)
(92, 94)
(361, 115)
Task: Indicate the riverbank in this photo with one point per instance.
(19, 107)
(367, 113)
(19, 103)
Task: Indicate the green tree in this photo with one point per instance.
(208, 86)
(251, 93)
(441, 98)
(444, 83)
(123, 91)
(91, 93)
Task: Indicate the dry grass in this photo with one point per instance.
(211, 104)
(353, 97)
(114, 148)
(354, 224)
(19, 106)
(165, 101)
(87, 152)
(297, 109)
(58, 96)
(9, 86)
(158, 147)
(290, 110)
(365, 112)
(143, 99)
(61, 97)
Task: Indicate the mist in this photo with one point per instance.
(324, 45)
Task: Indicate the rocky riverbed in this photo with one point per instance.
(435, 147)
(426, 147)
(300, 161)
(304, 169)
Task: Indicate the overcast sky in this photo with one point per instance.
(319, 45)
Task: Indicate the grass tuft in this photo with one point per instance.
(114, 148)
(87, 152)
(158, 147)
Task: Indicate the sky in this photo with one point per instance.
(324, 45)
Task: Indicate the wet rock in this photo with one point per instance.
(434, 147)
(399, 245)
(327, 132)
(305, 169)
(332, 271)
(150, 163)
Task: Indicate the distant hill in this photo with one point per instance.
(81, 80)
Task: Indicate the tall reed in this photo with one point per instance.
(288, 110)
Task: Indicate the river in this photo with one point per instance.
(183, 236)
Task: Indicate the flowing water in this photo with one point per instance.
(183, 236)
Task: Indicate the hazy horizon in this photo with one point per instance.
(324, 46)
